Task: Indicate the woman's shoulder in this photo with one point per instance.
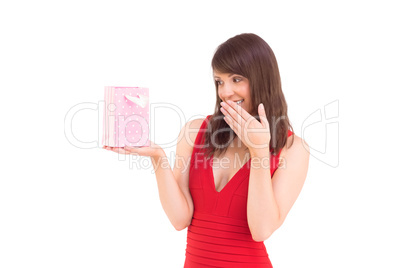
(196, 123)
(191, 129)
(294, 145)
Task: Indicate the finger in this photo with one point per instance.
(244, 115)
(116, 150)
(120, 150)
(230, 121)
(233, 124)
(232, 112)
(132, 150)
(263, 115)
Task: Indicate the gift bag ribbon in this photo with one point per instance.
(140, 100)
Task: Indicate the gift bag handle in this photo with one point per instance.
(140, 100)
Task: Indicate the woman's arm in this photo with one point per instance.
(270, 200)
(173, 186)
(172, 197)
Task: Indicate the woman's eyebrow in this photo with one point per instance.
(230, 75)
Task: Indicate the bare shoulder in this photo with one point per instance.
(191, 129)
(295, 146)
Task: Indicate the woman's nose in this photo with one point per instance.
(226, 92)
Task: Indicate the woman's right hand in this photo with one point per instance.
(153, 150)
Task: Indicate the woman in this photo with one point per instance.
(246, 169)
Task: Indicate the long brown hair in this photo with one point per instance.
(250, 56)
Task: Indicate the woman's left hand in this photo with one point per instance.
(255, 135)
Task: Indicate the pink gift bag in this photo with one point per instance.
(126, 117)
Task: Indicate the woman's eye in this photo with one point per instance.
(219, 82)
(237, 79)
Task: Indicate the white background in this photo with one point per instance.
(66, 206)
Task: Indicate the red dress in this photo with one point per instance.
(218, 235)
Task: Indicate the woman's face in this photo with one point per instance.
(233, 87)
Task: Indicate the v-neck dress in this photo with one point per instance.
(218, 235)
